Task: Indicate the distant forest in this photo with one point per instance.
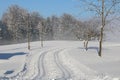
(17, 23)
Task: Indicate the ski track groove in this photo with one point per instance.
(66, 74)
(23, 74)
(41, 67)
(30, 54)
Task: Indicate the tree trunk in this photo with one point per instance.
(102, 29)
(86, 45)
(28, 31)
(41, 40)
(100, 43)
(28, 40)
(42, 34)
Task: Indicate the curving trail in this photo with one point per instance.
(58, 61)
(66, 74)
(56, 64)
(41, 65)
(41, 69)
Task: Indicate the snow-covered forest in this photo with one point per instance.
(17, 22)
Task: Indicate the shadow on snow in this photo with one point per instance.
(9, 55)
(91, 48)
(9, 72)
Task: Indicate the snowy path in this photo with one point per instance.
(65, 72)
(57, 64)
(55, 71)
(41, 68)
(63, 62)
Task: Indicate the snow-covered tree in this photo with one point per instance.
(13, 18)
(104, 9)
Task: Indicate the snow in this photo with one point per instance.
(60, 60)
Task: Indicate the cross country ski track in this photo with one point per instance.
(66, 74)
(42, 71)
(55, 63)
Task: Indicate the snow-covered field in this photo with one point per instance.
(60, 60)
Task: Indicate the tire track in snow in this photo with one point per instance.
(22, 75)
(30, 58)
(41, 66)
(79, 70)
(65, 73)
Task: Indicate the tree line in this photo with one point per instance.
(18, 24)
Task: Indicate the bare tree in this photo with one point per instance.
(86, 31)
(89, 33)
(104, 9)
(40, 26)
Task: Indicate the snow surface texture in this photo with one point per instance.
(60, 60)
